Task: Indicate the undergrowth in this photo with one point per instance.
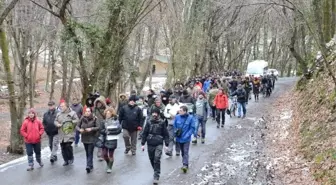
(316, 116)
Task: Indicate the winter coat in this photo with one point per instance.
(155, 133)
(165, 99)
(241, 95)
(212, 94)
(109, 133)
(130, 117)
(189, 102)
(32, 130)
(204, 104)
(256, 86)
(99, 112)
(69, 120)
(221, 101)
(122, 102)
(185, 123)
(49, 122)
(88, 122)
(78, 108)
(171, 110)
(206, 85)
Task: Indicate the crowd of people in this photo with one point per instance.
(167, 122)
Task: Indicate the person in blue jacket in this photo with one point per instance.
(206, 85)
(184, 127)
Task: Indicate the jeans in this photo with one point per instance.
(130, 139)
(241, 105)
(89, 147)
(185, 153)
(31, 149)
(202, 123)
(220, 114)
(67, 151)
(77, 134)
(154, 154)
(171, 140)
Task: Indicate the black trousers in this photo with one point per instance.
(220, 114)
(67, 151)
(89, 148)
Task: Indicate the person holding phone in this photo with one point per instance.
(88, 128)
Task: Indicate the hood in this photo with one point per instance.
(33, 111)
(100, 99)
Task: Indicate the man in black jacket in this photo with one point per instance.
(155, 133)
(51, 130)
(241, 100)
(130, 117)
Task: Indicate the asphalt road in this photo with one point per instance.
(127, 170)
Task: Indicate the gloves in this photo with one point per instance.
(139, 128)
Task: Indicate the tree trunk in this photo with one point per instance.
(72, 75)
(46, 88)
(53, 74)
(31, 83)
(326, 20)
(153, 42)
(16, 141)
(64, 71)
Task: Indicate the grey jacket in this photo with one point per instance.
(69, 120)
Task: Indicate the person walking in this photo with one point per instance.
(66, 121)
(221, 102)
(98, 111)
(184, 127)
(130, 117)
(32, 130)
(202, 116)
(88, 127)
(109, 135)
(78, 108)
(155, 134)
(51, 130)
(170, 112)
(241, 100)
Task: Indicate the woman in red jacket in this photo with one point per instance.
(32, 130)
(221, 102)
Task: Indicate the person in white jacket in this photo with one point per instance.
(170, 112)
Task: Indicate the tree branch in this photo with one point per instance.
(7, 10)
(46, 9)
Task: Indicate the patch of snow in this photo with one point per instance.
(286, 115)
(45, 154)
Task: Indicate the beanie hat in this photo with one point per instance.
(133, 98)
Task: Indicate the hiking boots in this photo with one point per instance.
(109, 165)
(184, 169)
(126, 151)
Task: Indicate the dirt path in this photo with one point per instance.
(240, 157)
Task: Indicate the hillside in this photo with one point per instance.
(315, 124)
